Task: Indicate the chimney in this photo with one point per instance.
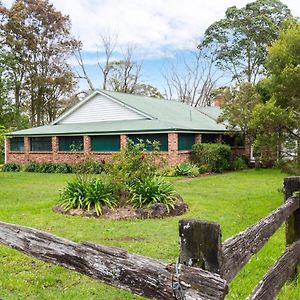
(218, 101)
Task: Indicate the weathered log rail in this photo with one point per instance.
(205, 265)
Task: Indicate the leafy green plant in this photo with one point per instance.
(11, 167)
(63, 168)
(183, 169)
(133, 163)
(215, 156)
(88, 193)
(32, 167)
(239, 163)
(89, 166)
(152, 190)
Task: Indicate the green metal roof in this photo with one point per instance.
(166, 116)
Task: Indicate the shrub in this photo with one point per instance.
(32, 167)
(239, 163)
(152, 190)
(133, 163)
(89, 166)
(215, 156)
(12, 167)
(183, 169)
(63, 168)
(291, 167)
(166, 171)
(194, 171)
(88, 193)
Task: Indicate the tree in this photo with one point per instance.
(283, 65)
(243, 36)
(38, 36)
(273, 127)
(237, 109)
(192, 81)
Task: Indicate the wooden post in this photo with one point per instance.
(291, 185)
(200, 244)
(292, 227)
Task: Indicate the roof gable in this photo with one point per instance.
(99, 107)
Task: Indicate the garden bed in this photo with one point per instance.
(156, 210)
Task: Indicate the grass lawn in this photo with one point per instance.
(235, 200)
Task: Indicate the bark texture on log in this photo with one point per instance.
(271, 284)
(238, 250)
(140, 275)
(292, 228)
(200, 244)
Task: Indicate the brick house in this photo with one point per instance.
(101, 124)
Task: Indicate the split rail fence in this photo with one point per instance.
(205, 265)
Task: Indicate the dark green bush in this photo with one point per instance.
(88, 193)
(34, 167)
(239, 163)
(215, 156)
(89, 166)
(11, 167)
(152, 190)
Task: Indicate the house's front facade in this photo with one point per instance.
(101, 125)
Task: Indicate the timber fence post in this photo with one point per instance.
(200, 244)
(292, 229)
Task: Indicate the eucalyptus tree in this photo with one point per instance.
(243, 36)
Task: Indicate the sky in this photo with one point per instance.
(159, 30)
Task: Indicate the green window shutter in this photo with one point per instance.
(41, 144)
(105, 143)
(70, 143)
(17, 144)
(186, 141)
(162, 138)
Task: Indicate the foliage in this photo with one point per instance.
(134, 162)
(37, 40)
(187, 169)
(12, 167)
(89, 166)
(239, 163)
(215, 156)
(283, 65)
(243, 36)
(34, 167)
(88, 193)
(151, 190)
(272, 126)
(166, 171)
(291, 167)
(237, 108)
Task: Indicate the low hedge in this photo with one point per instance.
(215, 157)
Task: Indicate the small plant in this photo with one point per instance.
(166, 171)
(239, 163)
(152, 190)
(194, 171)
(89, 166)
(88, 193)
(32, 167)
(12, 167)
(63, 168)
(183, 169)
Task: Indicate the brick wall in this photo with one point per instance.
(173, 156)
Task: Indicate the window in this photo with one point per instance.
(105, 143)
(186, 141)
(70, 143)
(162, 138)
(17, 144)
(210, 138)
(40, 144)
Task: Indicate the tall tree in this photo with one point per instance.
(193, 79)
(39, 38)
(243, 36)
(283, 65)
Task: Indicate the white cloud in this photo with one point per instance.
(155, 27)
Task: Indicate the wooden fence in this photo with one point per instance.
(205, 265)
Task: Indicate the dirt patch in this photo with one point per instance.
(185, 179)
(157, 210)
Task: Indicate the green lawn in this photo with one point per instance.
(235, 200)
